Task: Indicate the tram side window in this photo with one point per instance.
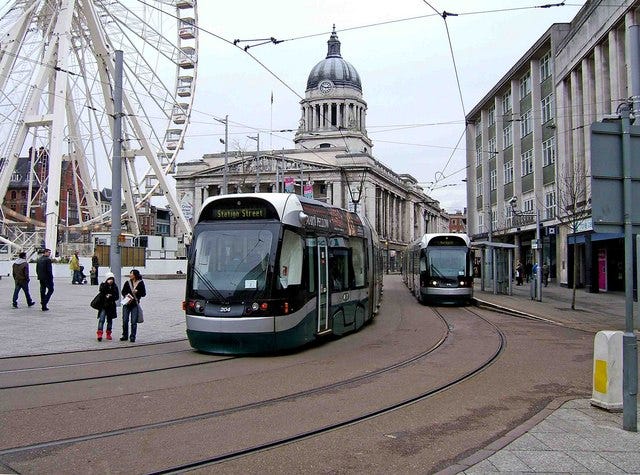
(358, 261)
(310, 256)
(291, 259)
(339, 269)
(423, 262)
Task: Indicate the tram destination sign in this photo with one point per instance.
(239, 213)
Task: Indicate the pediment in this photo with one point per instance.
(266, 164)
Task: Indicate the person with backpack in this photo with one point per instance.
(20, 273)
(44, 270)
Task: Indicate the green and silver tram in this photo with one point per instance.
(438, 268)
(274, 271)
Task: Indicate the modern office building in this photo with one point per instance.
(529, 137)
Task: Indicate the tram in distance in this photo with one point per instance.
(438, 268)
(274, 271)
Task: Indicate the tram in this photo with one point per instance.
(275, 271)
(438, 268)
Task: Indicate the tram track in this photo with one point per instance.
(351, 421)
(240, 408)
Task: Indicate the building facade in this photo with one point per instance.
(529, 137)
(458, 222)
(332, 161)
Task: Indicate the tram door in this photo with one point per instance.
(323, 285)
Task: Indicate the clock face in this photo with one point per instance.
(325, 86)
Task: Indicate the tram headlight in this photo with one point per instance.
(255, 306)
(434, 283)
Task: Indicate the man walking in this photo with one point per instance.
(20, 272)
(44, 270)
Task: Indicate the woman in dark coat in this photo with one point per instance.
(109, 292)
(132, 290)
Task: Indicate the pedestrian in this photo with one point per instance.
(95, 263)
(545, 274)
(20, 273)
(44, 271)
(527, 269)
(74, 265)
(109, 297)
(519, 273)
(132, 291)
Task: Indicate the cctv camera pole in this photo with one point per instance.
(115, 262)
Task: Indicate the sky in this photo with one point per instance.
(416, 111)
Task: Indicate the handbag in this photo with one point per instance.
(96, 302)
(140, 314)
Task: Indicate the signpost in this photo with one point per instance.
(615, 188)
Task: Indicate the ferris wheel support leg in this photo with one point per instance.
(60, 98)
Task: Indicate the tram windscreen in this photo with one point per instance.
(230, 262)
(447, 262)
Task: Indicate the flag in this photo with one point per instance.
(271, 97)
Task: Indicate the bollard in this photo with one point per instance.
(607, 371)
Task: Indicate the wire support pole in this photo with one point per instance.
(116, 171)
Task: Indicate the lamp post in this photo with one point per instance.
(538, 246)
(225, 183)
(257, 139)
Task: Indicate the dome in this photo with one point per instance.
(334, 68)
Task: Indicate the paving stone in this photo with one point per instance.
(527, 442)
(507, 461)
(481, 468)
(629, 462)
(594, 462)
(549, 461)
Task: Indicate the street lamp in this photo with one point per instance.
(538, 245)
(257, 139)
(225, 183)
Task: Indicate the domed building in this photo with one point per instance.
(333, 110)
(331, 161)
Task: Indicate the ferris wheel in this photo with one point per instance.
(57, 111)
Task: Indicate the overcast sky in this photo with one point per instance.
(415, 116)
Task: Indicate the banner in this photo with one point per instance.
(308, 190)
(289, 184)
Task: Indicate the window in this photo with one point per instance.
(479, 186)
(232, 262)
(494, 219)
(491, 116)
(478, 128)
(290, 272)
(14, 195)
(507, 136)
(480, 223)
(525, 84)
(494, 179)
(526, 123)
(339, 269)
(492, 146)
(508, 171)
(478, 156)
(506, 102)
(545, 66)
(528, 206)
(547, 108)
(508, 215)
(358, 261)
(549, 152)
(527, 162)
(550, 204)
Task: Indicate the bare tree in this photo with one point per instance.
(573, 207)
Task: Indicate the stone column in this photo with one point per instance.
(601, 74)
(615, 65)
